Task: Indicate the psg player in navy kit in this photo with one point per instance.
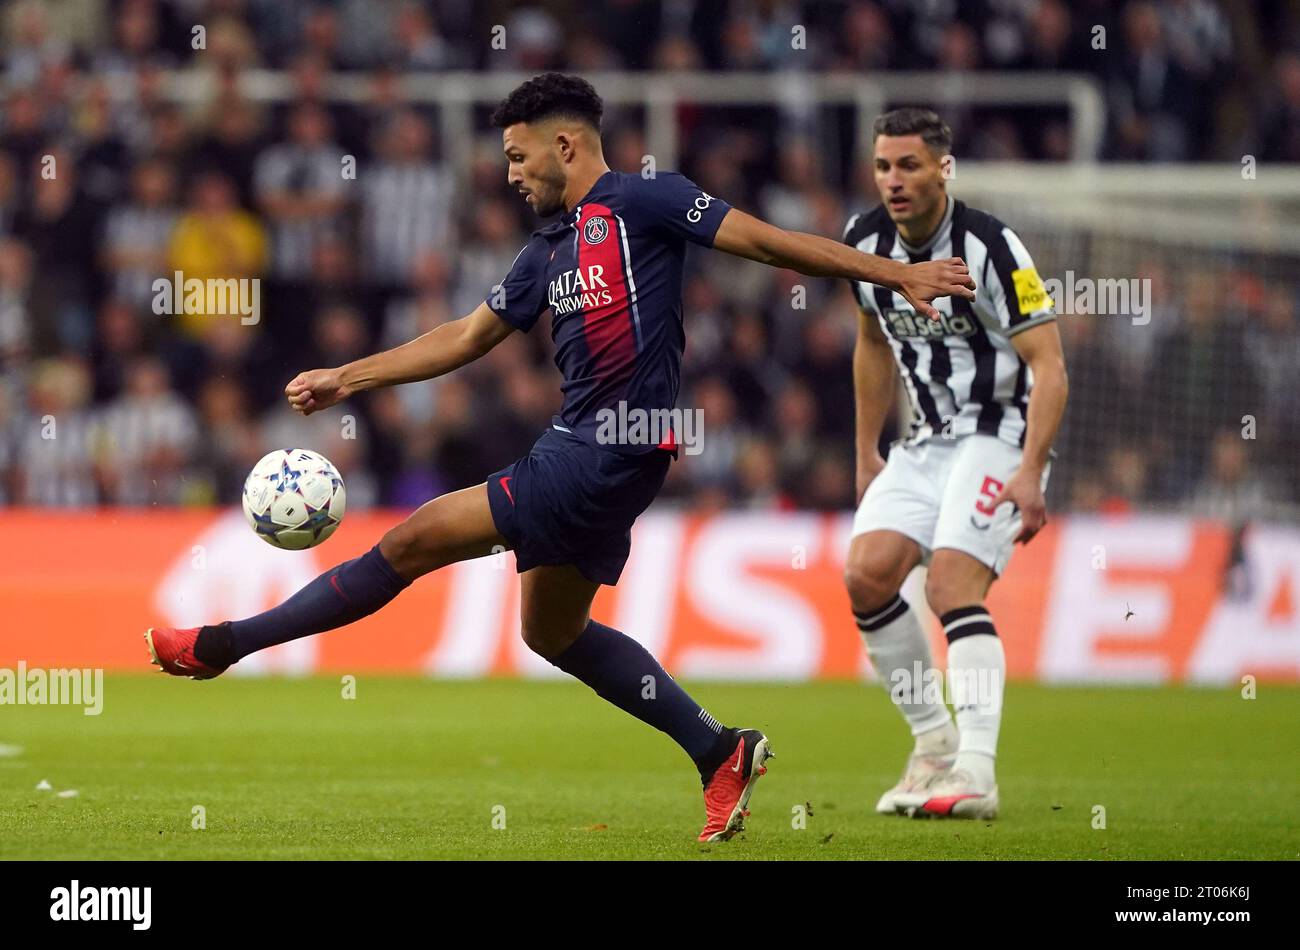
(609, 269)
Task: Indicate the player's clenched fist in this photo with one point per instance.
(927, 280)
(315, 389)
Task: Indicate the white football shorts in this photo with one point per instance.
(938, 493)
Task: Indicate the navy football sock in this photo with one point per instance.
(344, 593)
(624, 673)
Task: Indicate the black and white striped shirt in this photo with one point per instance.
(962, 374)
(300, 171)
(137, 227)
(406, 209)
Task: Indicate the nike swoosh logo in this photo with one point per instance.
(978, 526)
(505, 483)
(740, 757)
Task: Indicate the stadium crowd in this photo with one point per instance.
(105, 401)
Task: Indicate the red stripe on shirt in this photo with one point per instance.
(607, 327)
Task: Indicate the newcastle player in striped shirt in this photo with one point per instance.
(609, 269)
(987, 386)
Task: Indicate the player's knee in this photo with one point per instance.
(869, 584)
(534, 639)
(402, 547)
(547, 640)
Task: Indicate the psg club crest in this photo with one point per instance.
(595, 230)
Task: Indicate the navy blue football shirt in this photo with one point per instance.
(610, 272)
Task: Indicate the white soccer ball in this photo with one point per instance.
(294, 499)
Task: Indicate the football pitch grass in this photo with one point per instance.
(412, 768)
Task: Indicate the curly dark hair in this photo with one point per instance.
(547, 96)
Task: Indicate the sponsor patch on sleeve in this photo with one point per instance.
(1031, 295)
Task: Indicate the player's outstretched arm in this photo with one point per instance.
(746, 236)
(436, 353)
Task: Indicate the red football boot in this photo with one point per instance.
(172, 651)
(726, 793)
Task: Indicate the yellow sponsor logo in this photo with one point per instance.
(1030, 292)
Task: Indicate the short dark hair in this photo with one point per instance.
(548, 96)
(911, 120)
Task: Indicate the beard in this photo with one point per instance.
(549, 195)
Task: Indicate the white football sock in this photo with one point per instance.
(900, 654)
(977, 669)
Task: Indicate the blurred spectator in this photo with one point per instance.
(338, 337)
(136, 40)
(419, 45)
(1280, 135)
(749, 371)
(1233, 489)
(335, 279)
(758, 476)
(830, 484)
(230, 446)
(15, 310)
(865, 40)
(225, 349)
(55, 439)
(168, 136)
(1153, 95)
(827, 368)
(485, 259)
(1273, 345)
(1206, 381)
(460, 458)
(321, 36)
(8, 469)
(535, 42)
(59, 226)
(720, 432)
(101, 154)
(146, 439)
(9, 193)
(784, 202)
(1052, 41)
(796, 430)
(119, 341)
(1126, 479)
(137, 236)
(1097, 378)
(301, 190)
(232, 146)
(215, 239)
(36, 33)
(405, 204)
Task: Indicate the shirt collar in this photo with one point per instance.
(571, 217)
(938, 232)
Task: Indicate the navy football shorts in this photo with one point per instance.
(567, 502)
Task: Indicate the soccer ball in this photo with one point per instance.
(294, 499)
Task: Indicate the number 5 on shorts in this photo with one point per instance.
(989, 491)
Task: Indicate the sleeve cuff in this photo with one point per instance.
(1046, 317)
